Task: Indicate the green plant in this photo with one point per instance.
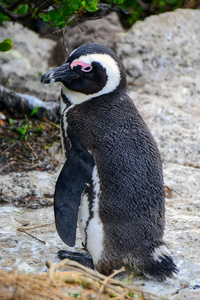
(66, 11)
(59, 13)
(75, 295)
(138, 10)
(26, 125)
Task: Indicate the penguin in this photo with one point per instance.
(112, 179)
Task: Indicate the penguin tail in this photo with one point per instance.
(161, 266)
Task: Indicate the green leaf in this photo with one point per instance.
(119, 1)
(55, 125)
(11, 121)
(92, 6)
(87, 2)
(60, 24)
(3, 18)
(8, 41)
(53, 15)
(44, 17)
(74, 6)
(22, 131)
(22, 9)
(33, 111)
(6, 45)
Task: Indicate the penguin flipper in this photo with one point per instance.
(73, 179)
(82, 258)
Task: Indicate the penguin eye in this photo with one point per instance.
(86, 69)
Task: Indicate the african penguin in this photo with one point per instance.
(112, 179)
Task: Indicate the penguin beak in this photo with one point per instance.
(62, 74)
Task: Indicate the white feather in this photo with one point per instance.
(83, 216)
(160, 252)
(93, 229)
(95, 234)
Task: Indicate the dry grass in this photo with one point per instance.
(64, 280)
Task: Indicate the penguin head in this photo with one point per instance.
(90, 71)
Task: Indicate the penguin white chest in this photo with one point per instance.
(90, 224)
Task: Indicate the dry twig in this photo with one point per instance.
(34, 227)
(65, 280)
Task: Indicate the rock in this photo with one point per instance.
(21, 68)
(167, 47)
(103, 31)
(160, 44)
(19, 249)
(22, 251)
(32, 189)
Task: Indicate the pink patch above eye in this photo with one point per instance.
(84, 66)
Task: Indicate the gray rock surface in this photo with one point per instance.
(32, 189)
(21, 68)
(103, 31)
(162, 57)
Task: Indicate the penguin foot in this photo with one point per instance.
(82, 258)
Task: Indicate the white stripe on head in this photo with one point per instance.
(112, 71)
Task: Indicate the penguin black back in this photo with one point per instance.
(120, 193)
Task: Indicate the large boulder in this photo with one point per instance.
(162, 59)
